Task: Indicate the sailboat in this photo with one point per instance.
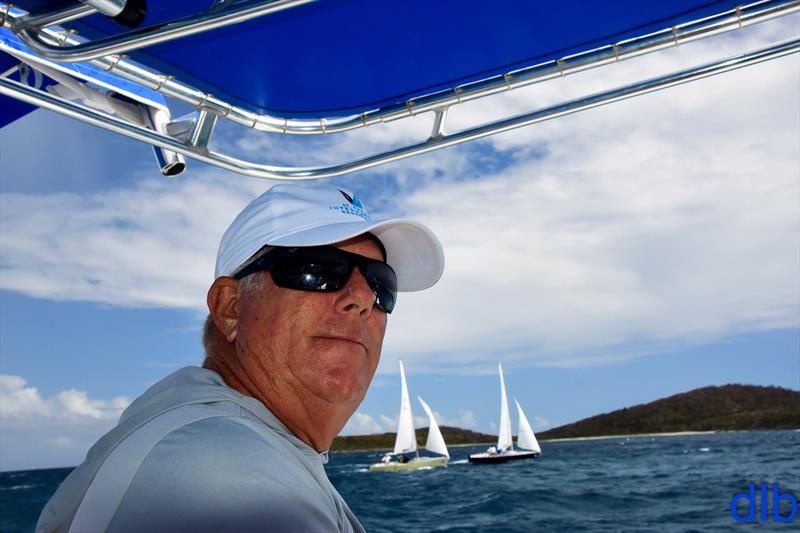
(504, 451)
(406, 441)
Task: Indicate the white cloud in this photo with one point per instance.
(644, 239)
(57, 429)
(18, 401)
(422, 421)
(627, 230)
(361, 424)
(387, 422)
(541, 423)
(364, 424)
(20, 404)
(664, 221)
(467, 419)
(78, 402)
(153, 245)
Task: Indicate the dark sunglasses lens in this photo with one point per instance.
(312, 269)
(328, 269)
(383, 282)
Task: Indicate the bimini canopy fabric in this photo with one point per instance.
(342, 57)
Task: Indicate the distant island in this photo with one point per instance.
(725, 408)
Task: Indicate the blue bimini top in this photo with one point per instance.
(343, 57)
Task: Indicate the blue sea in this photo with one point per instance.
(666, 483)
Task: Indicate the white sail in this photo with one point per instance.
(504, 438)
(406, 440)
(526, 439)
(435, 442)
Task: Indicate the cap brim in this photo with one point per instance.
(412, 250)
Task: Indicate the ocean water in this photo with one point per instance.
(675, 483)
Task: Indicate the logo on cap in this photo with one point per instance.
(353, 207)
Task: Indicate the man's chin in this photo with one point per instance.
(344, 388)
(342, 373)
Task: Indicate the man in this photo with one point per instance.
(305, 280)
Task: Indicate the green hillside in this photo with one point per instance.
(725, 408)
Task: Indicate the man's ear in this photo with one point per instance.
(222, 298)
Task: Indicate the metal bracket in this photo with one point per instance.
(201, 132)
(439, 118)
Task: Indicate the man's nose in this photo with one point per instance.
(356, 295)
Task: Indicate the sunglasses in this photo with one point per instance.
(325, 269)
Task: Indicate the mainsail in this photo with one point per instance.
(406, 440)
(435, 442)
(526, 439)
(504, 438)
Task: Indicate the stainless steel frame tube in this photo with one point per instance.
(111, 8)
(45, 100)
(159, 33)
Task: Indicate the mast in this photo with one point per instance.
(504, 441)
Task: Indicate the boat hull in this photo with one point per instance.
(494, 458)
(413, 464)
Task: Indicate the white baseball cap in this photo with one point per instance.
(291, 214)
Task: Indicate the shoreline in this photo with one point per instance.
(601, 437)
(596, 437)
(637, 435)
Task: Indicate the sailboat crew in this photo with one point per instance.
(298, 311)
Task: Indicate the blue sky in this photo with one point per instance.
(608, 258)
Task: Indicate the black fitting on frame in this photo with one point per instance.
(133, 14)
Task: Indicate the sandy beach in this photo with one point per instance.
(636, 435)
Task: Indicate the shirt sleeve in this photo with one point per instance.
(219, 475)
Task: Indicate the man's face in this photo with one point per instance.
(319, 344)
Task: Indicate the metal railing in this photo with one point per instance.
(45, 100)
